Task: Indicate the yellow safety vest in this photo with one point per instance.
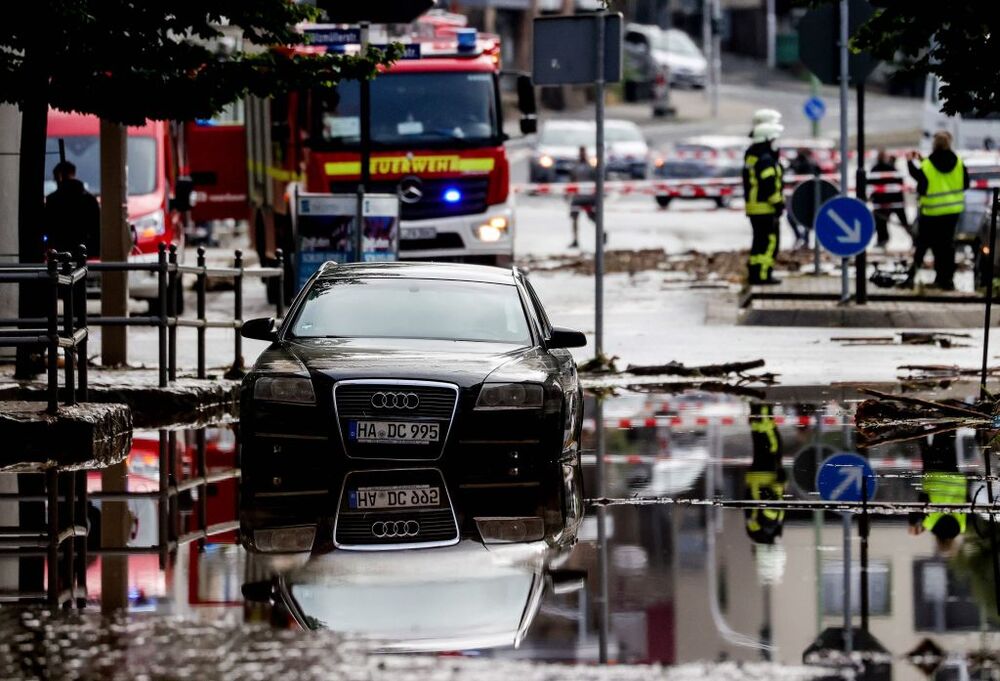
(945, 488)
(945, 191)
(756, 205)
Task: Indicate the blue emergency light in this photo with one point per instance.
(467, 38)
(452, 195)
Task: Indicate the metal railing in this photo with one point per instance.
(169, 273)
(64, 281)
(62, 543)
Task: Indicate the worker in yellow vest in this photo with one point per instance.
(762, 191)
(765, 480)
(942, 484)
(942, 179)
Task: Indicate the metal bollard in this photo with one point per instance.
(172, 293)
(164, 502)
(52, 264)
(70, 350)
(161, 272)
(82, 321)
(236, 371)
(280, 305)
(201, 289)
(52, 513)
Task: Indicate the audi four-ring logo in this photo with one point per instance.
(395, 528)
(382, 400)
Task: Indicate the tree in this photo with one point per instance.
(957, 42)
(129, 60)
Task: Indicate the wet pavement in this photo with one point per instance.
(720, 560)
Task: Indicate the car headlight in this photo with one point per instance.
(510, 530)
(511, 396)
(546, 161)
(151, 225)
(493, 230)
(285, 539)
(284, 389)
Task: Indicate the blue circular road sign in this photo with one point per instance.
(814, 108)
(844, 226)
(841, 476)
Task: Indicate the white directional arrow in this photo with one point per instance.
(853, 476)
(850, 236)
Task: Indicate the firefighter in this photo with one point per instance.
(942, 179)
(765, 481)
(72, 214)
(762, 189)
(942, 484)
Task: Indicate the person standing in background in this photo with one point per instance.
(886, 203)
(765, 201)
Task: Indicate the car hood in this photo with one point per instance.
(562, 152)
(635, 149)
(464, 363)
(680, 61)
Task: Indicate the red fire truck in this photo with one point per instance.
(437, 141)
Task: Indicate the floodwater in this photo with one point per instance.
(719, 560)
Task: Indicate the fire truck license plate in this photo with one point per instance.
(417, 232)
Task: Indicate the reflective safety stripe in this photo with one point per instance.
(759, 482)
(754, 204)
(945, 191)
(766, 259)
(402, 165)
(945, 488)
(766, 425)
(276, 173)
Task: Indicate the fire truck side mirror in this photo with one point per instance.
(526, 96)
(527, 105)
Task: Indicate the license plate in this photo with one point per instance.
(393, 432)
(418, 232)
(399, 496)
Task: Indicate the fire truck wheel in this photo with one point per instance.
(663, 201)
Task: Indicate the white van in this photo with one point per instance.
(969, 131)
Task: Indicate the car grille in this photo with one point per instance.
(473, 196)
(435, 526)
(436, 405)
(361, 529)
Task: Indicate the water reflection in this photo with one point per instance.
(737, 560)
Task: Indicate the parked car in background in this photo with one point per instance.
(672, 50)
(558, 149)
(704, 156)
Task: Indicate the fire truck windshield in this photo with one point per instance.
(84, 151)
(412, 109)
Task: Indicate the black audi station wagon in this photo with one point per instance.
(409, 405)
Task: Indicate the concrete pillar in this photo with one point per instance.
(116, 241)
(10, 149)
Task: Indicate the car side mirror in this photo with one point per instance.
(566, 581)
(183, 195)
(258, 592)
(567, 338)
(261, 329)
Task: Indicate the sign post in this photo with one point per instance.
(844, 227)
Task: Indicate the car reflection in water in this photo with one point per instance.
(413, 434)
(481, 592)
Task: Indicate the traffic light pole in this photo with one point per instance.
(861, 192)
(845, 284)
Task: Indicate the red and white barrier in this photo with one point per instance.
(704, 421)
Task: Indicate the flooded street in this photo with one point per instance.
(721, 560)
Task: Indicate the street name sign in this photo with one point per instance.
(842, 477)
(845, 226)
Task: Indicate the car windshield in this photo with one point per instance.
(406, 111)
(84, 151)
(678, 42)
(623, 133)
(559, 136)
(413, 308)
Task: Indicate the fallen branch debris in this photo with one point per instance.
(893, 418)
(944, 340)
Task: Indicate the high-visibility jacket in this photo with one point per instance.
(945, 191)
(945, 488)
(762, 186)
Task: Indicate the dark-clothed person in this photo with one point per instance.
(941, 183)
(72, 214)
(582, 171)
(762, 188)
(888, 203)
(765, 481)
(802, 164)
